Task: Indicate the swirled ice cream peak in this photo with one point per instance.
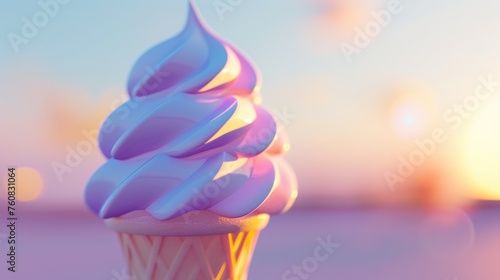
(194, 61)
(192, 136)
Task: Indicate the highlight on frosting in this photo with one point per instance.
(195, 139)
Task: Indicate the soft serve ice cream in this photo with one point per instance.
(192, 137)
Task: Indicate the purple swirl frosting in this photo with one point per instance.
(192, 137)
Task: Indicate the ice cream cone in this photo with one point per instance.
(211, 247)
(194, 137)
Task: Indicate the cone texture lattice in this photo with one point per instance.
(224, 256)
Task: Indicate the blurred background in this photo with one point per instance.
(390, 105)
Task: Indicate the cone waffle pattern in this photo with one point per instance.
(210, 257)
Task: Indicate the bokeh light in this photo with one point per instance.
(347, 14)
(411, 111)
(29, 184)
(481, 152)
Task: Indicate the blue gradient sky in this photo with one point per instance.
(341, 141)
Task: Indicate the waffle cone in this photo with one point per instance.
(193, 255)
(224, 256)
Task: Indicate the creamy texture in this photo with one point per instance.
(192, 137)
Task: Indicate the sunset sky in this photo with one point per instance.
(350, 120)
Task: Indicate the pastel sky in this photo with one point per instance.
(349, 121)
